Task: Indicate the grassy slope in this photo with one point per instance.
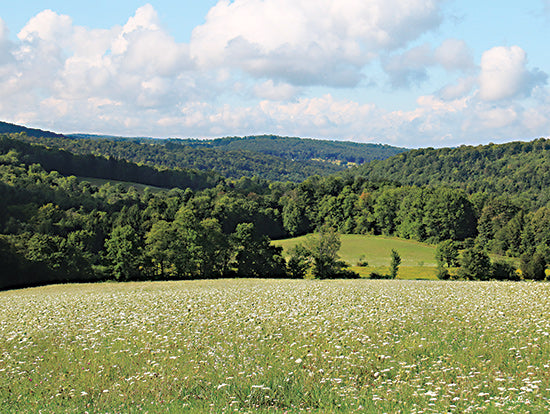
(126, 184)
(417, 259)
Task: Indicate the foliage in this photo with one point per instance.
(442, 272)
(515, 169)
(271, 158)
(475, 264)
(501, 270)
(533, 266)
(56, 227)
(394, 265)
(124, 253)
(298, 262)
(447, 253)
(323, 250)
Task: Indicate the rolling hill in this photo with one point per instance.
(513, 169)
(268, 157)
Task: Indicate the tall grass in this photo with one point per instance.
(264, 346)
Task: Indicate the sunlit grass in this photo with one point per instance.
(276, 345)
(376, 250)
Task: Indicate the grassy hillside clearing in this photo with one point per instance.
(418, 259)
(125, 184)
(276, 346)
(376, 249)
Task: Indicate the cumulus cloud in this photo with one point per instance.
(274, 91)
(248, 70)
(504, 74)
(5, 44)
(411, 67)
(308, 43)
(57, 70)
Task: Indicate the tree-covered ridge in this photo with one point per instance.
(172, 154)
(55, 227)
(97, 166)
(302, 149)
(517, 169)
(7, 128)
(269, 157)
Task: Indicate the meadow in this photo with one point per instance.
(276, 346)
(417, 259)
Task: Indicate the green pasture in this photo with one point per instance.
(125, 184)
(417, 259)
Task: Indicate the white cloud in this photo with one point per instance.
(504, 74)
(47, 26)
(5, 44)
(274, 91)
(306, 42)
(241, 79)
(462, 87)
(411, 66)
(454, 54)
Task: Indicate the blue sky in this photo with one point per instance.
(412, 73)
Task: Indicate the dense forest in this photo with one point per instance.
(517, 169)
(57, 227)
(268, 157)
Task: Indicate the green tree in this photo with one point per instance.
(298, 262)
(533, 266)
(255, 255)
(475, 264)
(503, 271)
(323, 250)
(124, 253)
(446, 253)
(394, 265)
(215, 252)
(159, 243)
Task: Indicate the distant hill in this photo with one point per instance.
(514, 169)
(96, 166)
(302, 149)
(268, 157)
(7, 128)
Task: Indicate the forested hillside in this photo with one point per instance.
(89, 165)
(268, 157)
(516, 169)
(302, 149)
(7, 128)
(56, 227)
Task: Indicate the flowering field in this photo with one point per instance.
(287, 346)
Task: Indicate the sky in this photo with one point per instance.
(410, 73)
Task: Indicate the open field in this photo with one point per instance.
(418, 259)
(276, 345)
(125, 184)
(376, 249)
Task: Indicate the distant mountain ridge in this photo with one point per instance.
(268, 157)
(7, 128)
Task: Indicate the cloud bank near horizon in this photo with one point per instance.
(297, 68)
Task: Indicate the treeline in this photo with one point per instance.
(519, 170)
(97, 166)
(175, 154)
(302, 149)
(59, 228)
